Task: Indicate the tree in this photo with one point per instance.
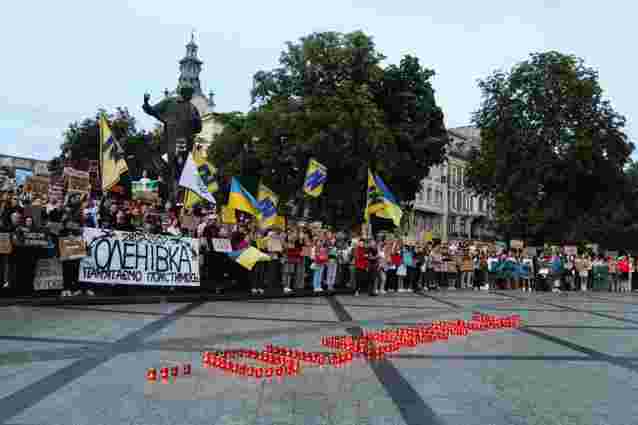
(330, 99)
(81, 138)
(551, 149)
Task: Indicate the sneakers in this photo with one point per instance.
(318, 289)
(77, 293)
(254, 291)
(89, 293)
(287, 290)
(382, 292)
(66, 293)
(5, 285)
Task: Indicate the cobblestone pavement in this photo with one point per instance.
(575, 361)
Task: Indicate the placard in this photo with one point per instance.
(72, 248)
(35, 240)
(48, 274)
(530, 251)
(38, 186)
(570, 250)
(77, 181)
(222, 245)
(516, 244)
(137, 258)
(274, 245)
(6, 247)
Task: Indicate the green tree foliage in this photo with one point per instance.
(552, 150)
(332, 100)
(81, 138)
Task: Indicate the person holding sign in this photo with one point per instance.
(70, 266)
(28, 244)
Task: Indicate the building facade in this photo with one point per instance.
(446, 206)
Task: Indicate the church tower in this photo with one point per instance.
(190, 67)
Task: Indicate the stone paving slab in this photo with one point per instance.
(575, 363)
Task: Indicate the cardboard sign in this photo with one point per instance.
(516, 244)
(36, 240)
(222, 245)
(38, 185)
(77, 181)
(571, 250)
(6, 247)
(48, 274)
(72, 248)
(274, 245)
(530, 251)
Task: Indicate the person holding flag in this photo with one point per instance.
(381, 202)
(267, 203)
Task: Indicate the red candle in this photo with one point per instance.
(164, 373)
(151, 374)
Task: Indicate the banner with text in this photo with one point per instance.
(128, 258)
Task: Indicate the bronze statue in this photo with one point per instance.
(181, 123)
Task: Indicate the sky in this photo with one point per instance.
(63, 60)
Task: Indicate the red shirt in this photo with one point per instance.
(361, 258)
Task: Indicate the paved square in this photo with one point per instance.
(574, 361)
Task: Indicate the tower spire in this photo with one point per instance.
(190, 67)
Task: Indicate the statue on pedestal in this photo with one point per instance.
(181, 123)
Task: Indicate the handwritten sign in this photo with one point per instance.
(6, 247)
(516, 244)
(571, 250)
(48, 274)
(38, 185)
(77, 181)
(222, 245)
(72, 248)
(35, 240)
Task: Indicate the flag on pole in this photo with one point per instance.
(112, 160)
(316, 176)
(381, 202)
(242, 200)
(193, 179)
(267, 203)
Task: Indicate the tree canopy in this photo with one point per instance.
(552, 151)
(331, 99)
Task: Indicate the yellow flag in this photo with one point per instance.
(228, 215)
(111, 159)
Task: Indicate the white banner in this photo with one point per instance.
(127, 258)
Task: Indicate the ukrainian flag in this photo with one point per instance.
(111, 157)
(240, 199)
(381, 202)
(316, 176)
(267, 203)
(248, 257)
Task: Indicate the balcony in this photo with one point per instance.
(431, 206)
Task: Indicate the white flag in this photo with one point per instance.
(191, 179)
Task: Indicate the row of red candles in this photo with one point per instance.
(166, 372)
(287, 360)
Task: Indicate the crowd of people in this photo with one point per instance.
(303, 256)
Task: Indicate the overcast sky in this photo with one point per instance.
(64, 59)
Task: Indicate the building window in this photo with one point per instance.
(460, 176)
(472, 204)
(429, 198)
(459, 200)
(450, 200)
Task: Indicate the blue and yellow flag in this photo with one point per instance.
(267, 203)
(381, 202)
(240, 199)
(112, 160)
(248, 257)
(316, 176)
